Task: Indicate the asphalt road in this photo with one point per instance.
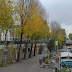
(29, 65)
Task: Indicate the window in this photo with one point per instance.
(64, 58)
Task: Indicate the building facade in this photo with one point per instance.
(8, 37)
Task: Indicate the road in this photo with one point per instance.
(29, 65)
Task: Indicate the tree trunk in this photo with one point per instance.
(18, 57)
(6, 38)
(35, 50)
(25, 51)
(11, 56)
(31, 50)
(4, 52)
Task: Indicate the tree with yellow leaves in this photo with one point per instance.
(57, 34)
(31, 20)
(60, 38)
(36, 27)
(6, 16)
(70, 36)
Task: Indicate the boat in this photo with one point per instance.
(66, 58)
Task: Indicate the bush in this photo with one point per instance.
(46, 61)
(64, 70)
(50, 55)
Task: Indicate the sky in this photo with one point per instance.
(60, 11)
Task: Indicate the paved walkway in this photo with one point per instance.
(30, 65)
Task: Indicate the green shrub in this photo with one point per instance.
(64, 70)
(50, 55)
(46, 61)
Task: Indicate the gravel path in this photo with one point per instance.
(30, 65)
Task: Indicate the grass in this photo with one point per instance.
(7, 64)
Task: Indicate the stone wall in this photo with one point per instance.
(1, 55)
(7, 54)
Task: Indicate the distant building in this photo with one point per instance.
(8, 37)
(69, 43)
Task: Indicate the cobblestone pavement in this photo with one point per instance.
(30, 65)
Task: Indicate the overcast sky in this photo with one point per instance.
(60, 11)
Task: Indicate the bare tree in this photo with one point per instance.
(55, 26)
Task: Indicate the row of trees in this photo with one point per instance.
(57, 34)
(31, 21)
(28, 19)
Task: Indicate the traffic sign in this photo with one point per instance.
(56, 42)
